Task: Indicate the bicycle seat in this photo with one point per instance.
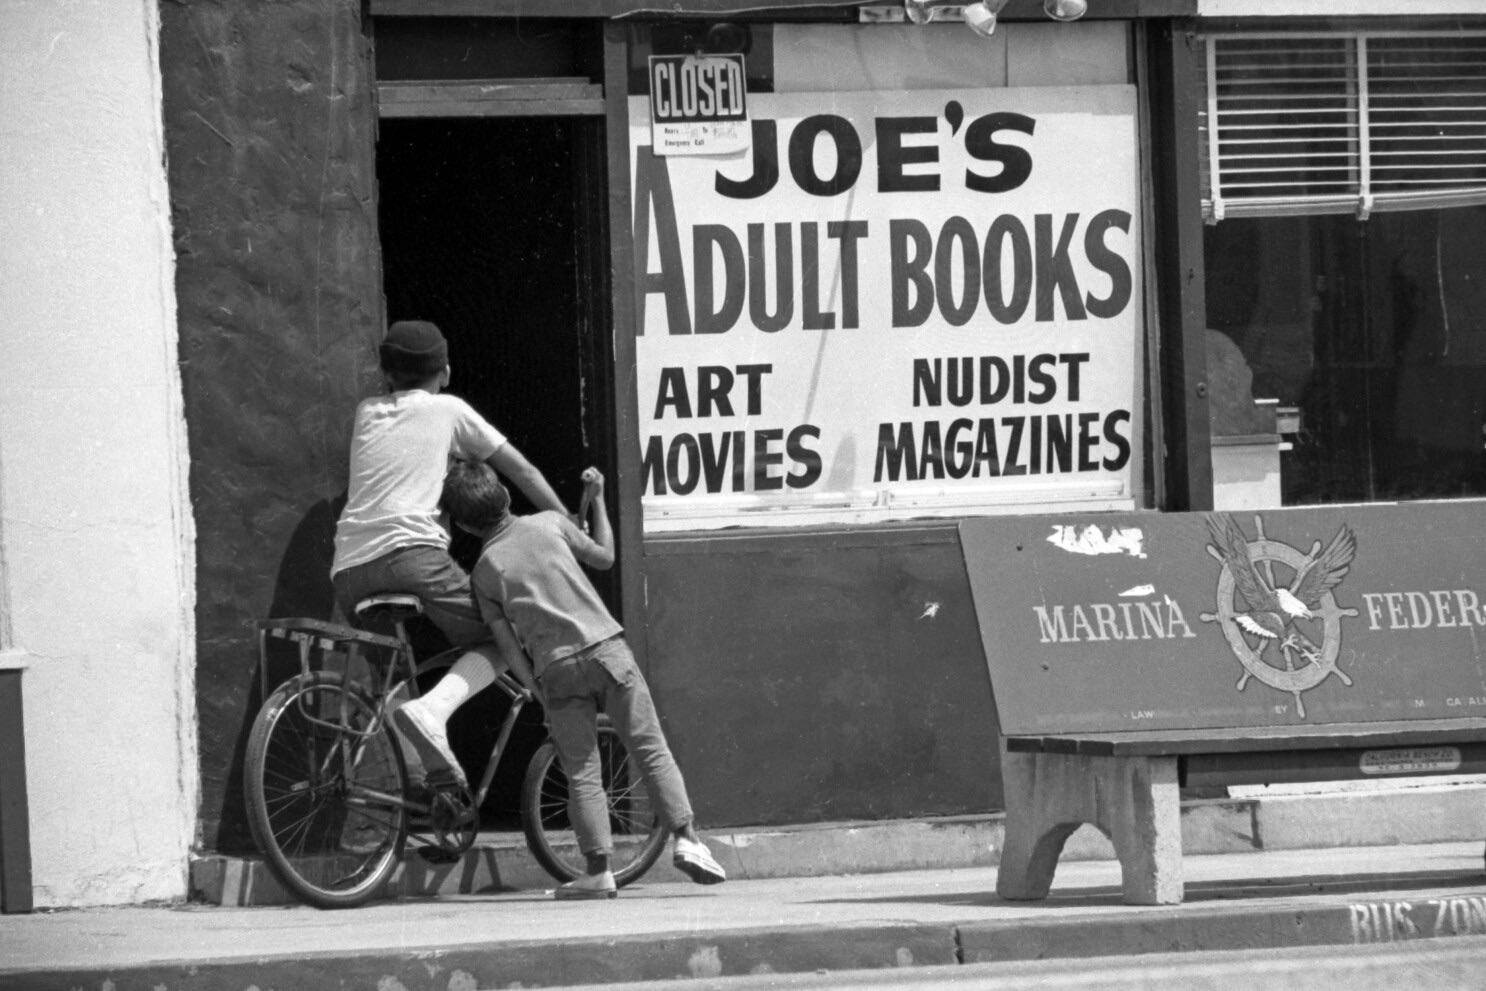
(391, 605)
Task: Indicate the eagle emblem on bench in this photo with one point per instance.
(1277, 606)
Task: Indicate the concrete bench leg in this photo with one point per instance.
(1132, 800)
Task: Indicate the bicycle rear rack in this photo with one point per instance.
(331, 640)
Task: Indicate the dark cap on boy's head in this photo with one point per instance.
(414, 347)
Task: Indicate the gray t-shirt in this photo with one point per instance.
(529, 575)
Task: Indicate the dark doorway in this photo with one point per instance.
(479, 234)
(492, 228)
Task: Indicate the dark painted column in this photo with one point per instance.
(15, 824)
(270, 133)
(628, 486)
(1183, 300)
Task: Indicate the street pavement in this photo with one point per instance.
(661, 931)
(1433, 964)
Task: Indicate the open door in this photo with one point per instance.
(492, 227)
(489, 229)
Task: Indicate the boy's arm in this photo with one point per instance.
(602, 534)
(510, 463)
(514, 656)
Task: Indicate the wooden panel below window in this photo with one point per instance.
(566, 97)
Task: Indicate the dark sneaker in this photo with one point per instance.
(588, 886)
(427, 737)
(695, 861)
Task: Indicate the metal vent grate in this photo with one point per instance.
(1343, 122)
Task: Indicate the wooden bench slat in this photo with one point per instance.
(1369, 763)
(1174, 742)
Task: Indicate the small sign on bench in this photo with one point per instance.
(1126, 650)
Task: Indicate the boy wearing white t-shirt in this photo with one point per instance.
(390, 537)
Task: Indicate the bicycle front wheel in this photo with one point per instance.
(323, 781)
(639, 835)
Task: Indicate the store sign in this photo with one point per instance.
(892, 304)
(698, 104)
(1286, 618)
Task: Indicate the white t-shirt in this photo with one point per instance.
(401, 446)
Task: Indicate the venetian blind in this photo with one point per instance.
(1342, 122)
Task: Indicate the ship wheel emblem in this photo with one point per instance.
(1277, 606)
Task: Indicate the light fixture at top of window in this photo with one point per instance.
(980, 17)
(1065, 10)
(918, 11)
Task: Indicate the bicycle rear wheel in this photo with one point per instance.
(323, 781)
(639, 836)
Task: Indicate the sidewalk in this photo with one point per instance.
(661, 930)
(1348, 818)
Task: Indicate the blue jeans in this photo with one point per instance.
(427, 572)
(605, 676)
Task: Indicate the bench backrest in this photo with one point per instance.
(1173, 621)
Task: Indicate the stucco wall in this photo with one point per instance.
(269, 129)
(95, 533)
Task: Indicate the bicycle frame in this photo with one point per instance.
(384, 682)
(519, 697)
(348, 685)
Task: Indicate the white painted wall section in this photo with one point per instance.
(95, 530)
(1337, 8)
(830, 57)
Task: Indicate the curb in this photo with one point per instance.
(800, 949)
(1436, 814)
(554, 963)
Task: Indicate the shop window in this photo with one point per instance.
(1343, 123)
(1345, 256)
(902, 279)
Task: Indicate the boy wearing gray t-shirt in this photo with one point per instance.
(531, 589)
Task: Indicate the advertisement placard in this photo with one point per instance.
(891, 305)
(1305, 616)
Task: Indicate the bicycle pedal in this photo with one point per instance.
(436, 854)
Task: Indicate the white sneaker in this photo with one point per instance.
(428, 738)
(588, 886)
(695, 861)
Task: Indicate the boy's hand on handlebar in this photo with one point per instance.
(593, 482)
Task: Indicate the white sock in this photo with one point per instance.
(469, 675)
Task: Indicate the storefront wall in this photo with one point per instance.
(1345, 299)
(835, 671)
(270, 136)
(805, 672)
(95, 530)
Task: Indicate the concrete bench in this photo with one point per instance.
(1127, 785)
(1132, 655)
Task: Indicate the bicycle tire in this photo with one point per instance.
(327, 848)
(639, 836)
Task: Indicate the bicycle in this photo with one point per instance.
(332, 802)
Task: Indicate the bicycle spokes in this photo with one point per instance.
(637, 835)
(331, 786)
